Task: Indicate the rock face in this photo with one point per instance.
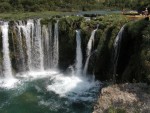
(126, 98)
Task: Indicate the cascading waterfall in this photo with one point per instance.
(37, 50)
(117, 45)
(36, 46)
(75, 87)
(42, 48)
(56, 46)
(27, 30)
(47, 43)
(21, 56)
(1, 71)
(50, 52)
(6, 54)
(89, 50)
(78, 64)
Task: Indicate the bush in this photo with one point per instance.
(5, 7)
(35, 8)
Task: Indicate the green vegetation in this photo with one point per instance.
(131, 4)
(69, 5)
(46, 5)
(25, 15)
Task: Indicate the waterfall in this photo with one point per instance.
(36, 47)
(27, 30)
(117, 45)
(56, 47)
(32, 33)
(91, 42)
(42, 51)
(46, 46)
(6, 54)
(50, 63)
(89, 50)
(37, 50)
(1, 71)
(21, 56)
(78, 64)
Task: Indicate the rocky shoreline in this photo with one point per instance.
(124, 98)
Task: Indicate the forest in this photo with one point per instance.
(70, 5)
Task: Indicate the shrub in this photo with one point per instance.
(5, 7)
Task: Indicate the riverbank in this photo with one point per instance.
(124, 98)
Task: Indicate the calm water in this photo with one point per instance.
(48, 92)
(99, 12)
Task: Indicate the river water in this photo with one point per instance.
(48, 92)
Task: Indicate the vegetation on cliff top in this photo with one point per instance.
(26, 15)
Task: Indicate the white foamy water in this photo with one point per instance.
(33, 75)
(8, 83)
(74, 87)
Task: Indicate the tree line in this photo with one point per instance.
(69, 5)
(131, 4)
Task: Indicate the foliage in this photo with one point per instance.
(26, 15)
(69, 5)
(132, 4)
(5, 7)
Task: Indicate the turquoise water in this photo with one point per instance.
(49, 94)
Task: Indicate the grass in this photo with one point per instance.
(25, 15)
